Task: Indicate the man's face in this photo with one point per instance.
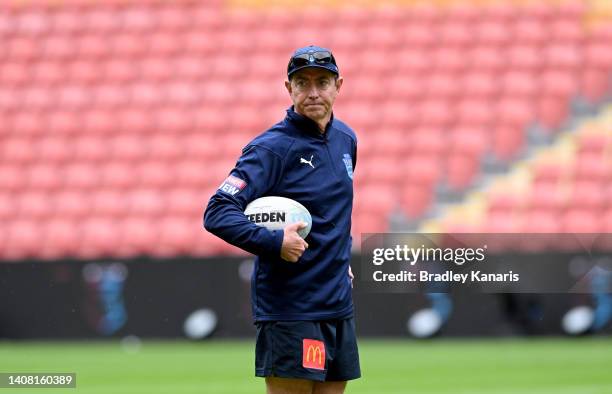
(313, 92)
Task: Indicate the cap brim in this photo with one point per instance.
(313, 66)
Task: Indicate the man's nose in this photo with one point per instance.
(313, 92)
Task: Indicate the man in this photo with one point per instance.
(301, 289)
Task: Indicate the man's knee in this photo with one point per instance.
(329, 388)
(288, 386)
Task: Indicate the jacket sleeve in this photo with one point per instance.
(255, 175)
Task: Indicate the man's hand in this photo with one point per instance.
(293, 245)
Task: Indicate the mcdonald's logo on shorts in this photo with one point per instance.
(313, 354)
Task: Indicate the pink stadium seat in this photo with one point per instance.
(134, 121)
(594, 84)
(541, 221)
(491, 33)
(487, 58)
(514, 112)
(8, 206)
(177, 236)
(588, 195)
(23, 48)
(549, 172)
(525, 57)
(14, 73)
(442, 85)
(173, 120)
(480, 84)
(17, 150)
(376, 198)
(368, 223)
(60, 239)
(552, 111)
(436, 113)
(455, 32)
(461, 170)
(581, 221)
(547, 196)
(593, 144)
(502, 222)
(475, 112)
(422, 170)
(137, 236)
(520, 84)
(508, 141)
(146, 203)
(156, 173)
(93, 46)
(99, 237)
(34, 205)
(57, 48)
(109, 203)
(381, 169)
(11, 177)
(415, 200)
(530, 31)
(22, 240)
(33, 22)
(471, 142)
(117, 175)
(99, 121)
(429, 141)
(593, 167)
(405, 87)
(418, 35)
(47, 177)
(47, 72)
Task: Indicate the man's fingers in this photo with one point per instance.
(305, 244)
(296, 226)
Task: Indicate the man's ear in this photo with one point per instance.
(339, 82)
(288, 86)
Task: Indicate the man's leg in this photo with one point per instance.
(329, 387)
(289, 386)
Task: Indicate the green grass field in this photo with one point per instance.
(507, 366)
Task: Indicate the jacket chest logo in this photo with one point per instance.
(348, 163)
(309, 162)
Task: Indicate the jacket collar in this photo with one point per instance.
(308, 125)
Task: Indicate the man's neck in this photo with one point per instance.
(322, 123)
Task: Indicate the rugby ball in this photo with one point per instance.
(275, 213)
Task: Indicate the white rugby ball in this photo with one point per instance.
(275, 213)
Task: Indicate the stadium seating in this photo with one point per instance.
(119, 118)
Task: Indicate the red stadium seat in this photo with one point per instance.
(109, 203)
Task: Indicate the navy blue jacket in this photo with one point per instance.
(317, 287)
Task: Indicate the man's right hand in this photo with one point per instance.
(293, 245)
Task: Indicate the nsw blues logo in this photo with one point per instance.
(348, 163)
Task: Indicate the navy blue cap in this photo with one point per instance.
(312, 56)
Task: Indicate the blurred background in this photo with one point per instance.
(120, 118)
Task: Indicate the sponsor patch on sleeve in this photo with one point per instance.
(232, 185)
